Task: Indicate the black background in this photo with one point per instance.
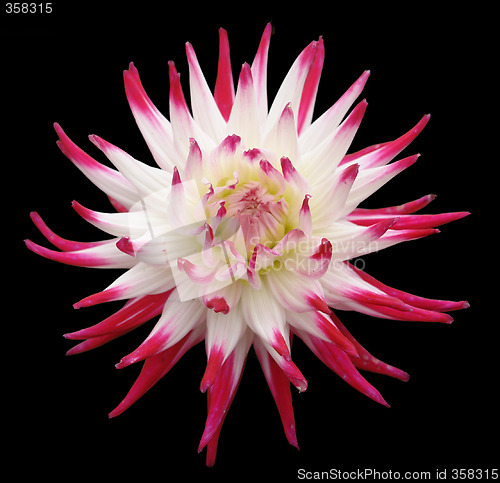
(67, 67)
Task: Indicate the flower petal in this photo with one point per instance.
(141, 279)
(224, 331)
(296, 292)
(349, 240)
(322, 326)
(404, 209)
(145, 179)
(205, 110)
(155, 129)
(409, 221)
(413, 300)
(345, 290)
(310, 89)
(280, 388)
(105, 255)
(244, 116)
(155, 367)
(259, 74)
(266, 318)
(113, 183)
(370, 180)
(385, 152)
(282, 137)
(224, 86)
(290, 91)
(117, 224)
(328, 204)
(320, 164)
(220, 396)
(61, 243)
(328, 122)
(339, 362)
(367, 362)
(177, 320)
(184, 127)
(133, 313)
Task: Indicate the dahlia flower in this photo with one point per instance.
(245, 233)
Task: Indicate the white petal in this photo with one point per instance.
(282, 137)
(259, 73)
(145, 179)
(155, 129)
(225, 330)
(319, 165)
(294, 291)
(263, 314)
(290, 90)
(244, 119)
(143, 279)
(370, 180)
(177, 320)
(321, 128)
(205, 110)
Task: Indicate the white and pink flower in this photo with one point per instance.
(244, 234)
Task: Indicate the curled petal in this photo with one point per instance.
(293, 177)
(305, 216)
(274, 180)
(105, 255)
(61, 243)
(307, 256)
